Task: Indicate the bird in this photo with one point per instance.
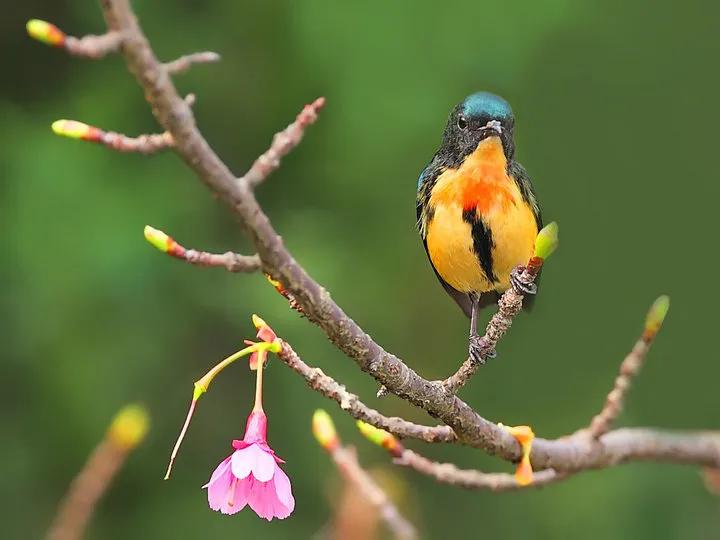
(477, 212)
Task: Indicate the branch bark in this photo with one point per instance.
(509, 305)
(182, 64)
(448, 473)
(330, 388)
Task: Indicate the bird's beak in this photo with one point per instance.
(493, 125)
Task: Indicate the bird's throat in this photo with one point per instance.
(480, 182)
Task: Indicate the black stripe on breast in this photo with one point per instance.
(482, 242)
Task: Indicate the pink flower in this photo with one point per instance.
(251, 475)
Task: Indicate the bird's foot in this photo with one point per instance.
(520, 285)
(480, 350)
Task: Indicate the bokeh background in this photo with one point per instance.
(617, 114)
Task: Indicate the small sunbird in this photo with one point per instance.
(476, 208)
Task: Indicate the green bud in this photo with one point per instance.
(547, 241)
(656, 314)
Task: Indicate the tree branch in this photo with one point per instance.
(448, 473)
(283, 142)
(328, 387)
(175, 116)
(509, 305)
(629, 369)
(347, 463)
(566, 454)
(126, 431)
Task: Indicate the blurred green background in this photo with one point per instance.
(617, 115)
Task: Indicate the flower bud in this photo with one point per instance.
(324, 430)
(129, 426)
(656, 316)
(381, 438)
(546, 241)
(46, 33)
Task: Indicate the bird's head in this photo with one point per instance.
(478, 117)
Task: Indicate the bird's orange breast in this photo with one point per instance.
(480, 183)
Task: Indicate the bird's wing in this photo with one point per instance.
(527, 190)
(425, 183)
(520, 175)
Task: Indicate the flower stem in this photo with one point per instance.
(202, 384)
(180, 438)
(262, 355)
(206, 379)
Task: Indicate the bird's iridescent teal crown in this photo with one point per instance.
(486, 104)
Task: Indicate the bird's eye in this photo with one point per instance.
(462, 122)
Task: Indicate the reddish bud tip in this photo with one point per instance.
(45, 32)
(381, 438)
(158, 239)
(76, 130)
(656, 316)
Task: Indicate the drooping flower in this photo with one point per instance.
(251, 476)
(258, 351)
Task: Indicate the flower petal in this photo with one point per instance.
(243, 460)
(264, 467)
(253, 458)
(284, 491)
(262, 499)
(219, 485)
(219, 471)
(236, 498)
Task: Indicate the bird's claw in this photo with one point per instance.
(480, 350)
(520, 286)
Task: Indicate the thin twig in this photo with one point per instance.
(509, 306)
(182, 64)
(126, 431)
(346, 460)
(328, 387)
(448, 473)
(283, 142)
(629, 369)
(711, 477)
(144, 144)
(86, 489)
(88, 46)
(94, 47)
(232, 262)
